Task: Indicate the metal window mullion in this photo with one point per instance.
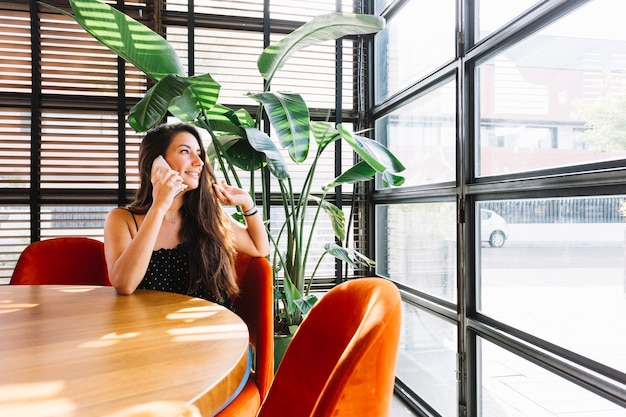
(338, 155)
(121, 126)
(35, 125)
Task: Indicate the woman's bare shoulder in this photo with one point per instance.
(122, 215)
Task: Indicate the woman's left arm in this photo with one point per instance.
(250, 238)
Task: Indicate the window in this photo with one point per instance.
(507, 239)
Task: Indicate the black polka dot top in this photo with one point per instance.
(169, 271)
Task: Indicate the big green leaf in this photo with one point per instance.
(359, 172)
(151, 109)
(184, 97)
(324, 134)
(263, 143)
(348, 255)
(322, 28)
(199, 97)
(239, 153)
(128, 38)
(291, 294)
(306, 303)
(335, 214)
(372, 152)
(289, 115)
(390, 179)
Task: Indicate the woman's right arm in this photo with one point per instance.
(128, 256)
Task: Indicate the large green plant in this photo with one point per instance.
(237, 138)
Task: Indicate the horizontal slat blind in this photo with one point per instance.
(238, 8)
(311, 72)
(14, 236)
(79, 149)
(73, 220)
(14, 147)
(16, 51)
(305, 10)
(15, 88)
(72, 62)
(229, 56)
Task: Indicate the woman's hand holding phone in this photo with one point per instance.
(163, 177)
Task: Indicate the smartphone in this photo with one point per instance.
(159, 161)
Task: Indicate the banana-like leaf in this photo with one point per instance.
(297, 301)
(239, 152)
(348, 255)
(291, 295)
(204, 91)
(244, 118)
(133, 41)
(336, 216)
(289, 115)
(306, 303)
(263, 143)
(372, 152)
(359, 172)
(184, 97)
(227, 119)
(322, 28)
(151, 109)
(324, 134)
(390, 179)
(185, 107)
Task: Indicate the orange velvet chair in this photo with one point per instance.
(254, 305)
(64, 260)
(341, 361)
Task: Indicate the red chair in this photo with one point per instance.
(341, 361)
(65, 260)
(254, 305)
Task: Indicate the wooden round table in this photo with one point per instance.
(85, 351)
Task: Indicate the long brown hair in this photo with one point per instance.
(205, 231)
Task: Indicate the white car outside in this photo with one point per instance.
(493, 228)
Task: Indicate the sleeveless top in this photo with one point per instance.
(168, 271)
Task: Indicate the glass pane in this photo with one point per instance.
(229, 56)
(416, 246)
(14, 236)
(322, 234)
(555, 99)
(79, 150)
(422, 135)
(493, 14)
(510, 386)
(560, 275)
(74, 220)
(15, 141)
(427, 358)
(418, 38)
(379, 5)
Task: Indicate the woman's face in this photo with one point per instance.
(183, 155)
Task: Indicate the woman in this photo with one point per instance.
(175, 236)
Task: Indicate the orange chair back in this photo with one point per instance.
(341, 361)
(65, 260)
(254, 305)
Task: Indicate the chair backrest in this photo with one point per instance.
(65, 260)
(254, 305)
(341, 361)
